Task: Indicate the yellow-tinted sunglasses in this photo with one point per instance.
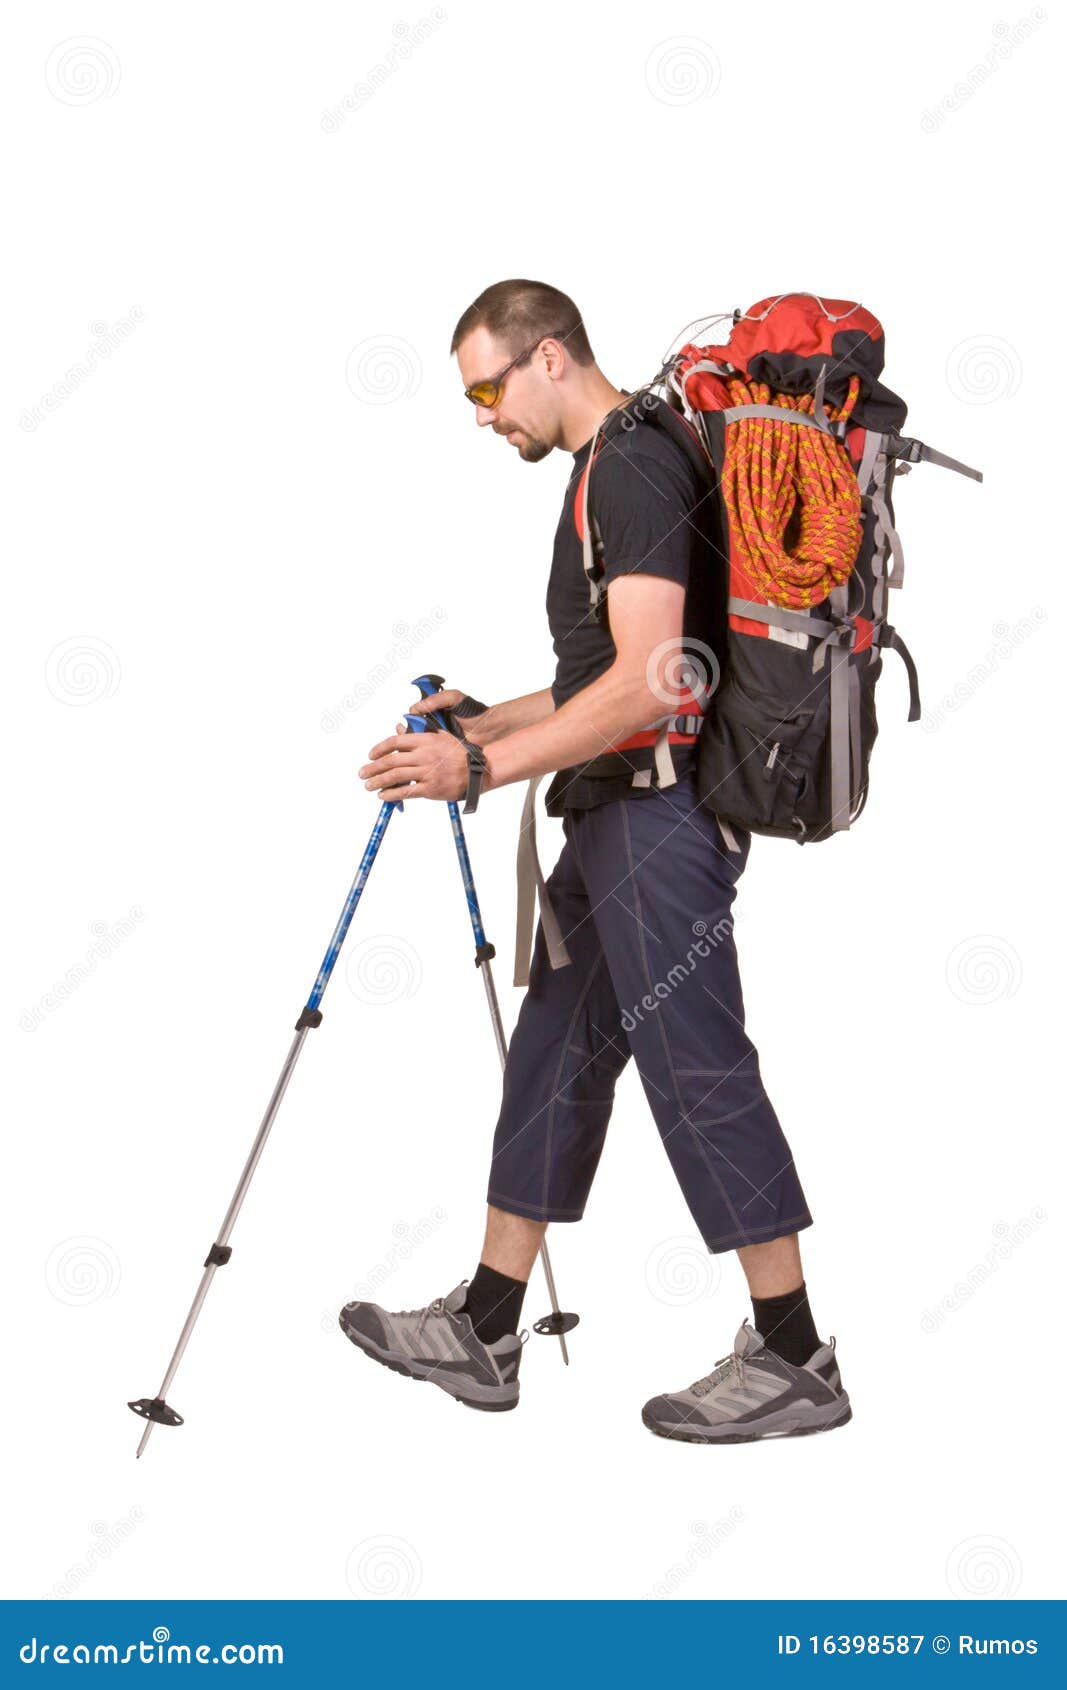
(488, 393)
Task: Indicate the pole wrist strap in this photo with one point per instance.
(477, 769)
(469, 707)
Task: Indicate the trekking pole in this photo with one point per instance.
(156, 1410)
(556, 1324)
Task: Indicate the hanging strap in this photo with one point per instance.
(533, 894)
(891, 640)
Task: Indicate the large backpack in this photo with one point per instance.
(799, 443)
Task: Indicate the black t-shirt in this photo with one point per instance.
(656, 516)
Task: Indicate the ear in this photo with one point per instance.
(554, 357)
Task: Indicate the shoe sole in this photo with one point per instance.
(738, 1435)
(432, 1376)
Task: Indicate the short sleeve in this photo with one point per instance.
(643, 505)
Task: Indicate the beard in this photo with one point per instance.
(530, 449)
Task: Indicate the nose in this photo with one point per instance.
(484, 415)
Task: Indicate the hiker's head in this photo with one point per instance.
(538, 332)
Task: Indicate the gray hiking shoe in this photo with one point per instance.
(754, 1394)
(439, 1344)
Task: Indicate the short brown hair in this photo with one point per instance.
(519, 312)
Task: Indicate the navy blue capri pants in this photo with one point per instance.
(643, 892)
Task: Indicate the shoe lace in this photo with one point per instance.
(731, 1367)
(437, 1307)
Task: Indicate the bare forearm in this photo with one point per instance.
(508, 717)
(617, 704)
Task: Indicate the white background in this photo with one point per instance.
(243, 516)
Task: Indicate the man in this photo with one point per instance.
(641, 895)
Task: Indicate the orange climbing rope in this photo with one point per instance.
(791, 497)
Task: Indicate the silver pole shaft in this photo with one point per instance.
(486, 971)
(228, 1223)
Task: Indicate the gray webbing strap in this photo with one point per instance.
(531, 892)
(872, 445)
(929, 456)
(773, 413)
(665, 774)
(840, 739)
(773, 613)
(884, 530)
(728, 835)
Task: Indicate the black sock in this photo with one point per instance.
(785, 1325)
(494, 1303)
